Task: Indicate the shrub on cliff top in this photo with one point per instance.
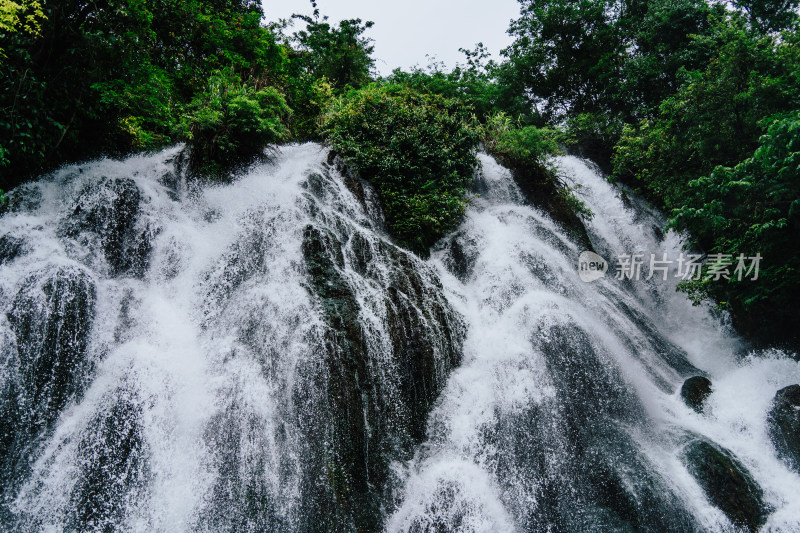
(417, 149)
(231, 123)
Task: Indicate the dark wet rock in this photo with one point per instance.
(354, 464)
(627, 492)
(110, 210)
(242, 260)
(112, 458)
(411, 310)
(241, 499)
(51, 318)
(583, 470)
(589, 378)
(11, 247)
(318, 185)
(362, 253)
(650, 347)
(694, 392)
(173, 179)
(784, 425)
(727, 483)
(370, 425)
(461, 256)
(354, 184)
(25, 198)
(583, 433)
(360, 188)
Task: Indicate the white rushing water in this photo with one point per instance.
(258, 356)
(473, 473)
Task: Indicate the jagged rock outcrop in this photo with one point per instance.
(110, 210)
(51, 319)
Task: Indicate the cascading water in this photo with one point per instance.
(247, 357)
(564, 415)
(258, 356)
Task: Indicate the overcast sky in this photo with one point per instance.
(406, 30)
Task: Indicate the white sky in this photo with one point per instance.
(406, 30)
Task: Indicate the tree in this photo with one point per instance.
(717, 115)
(568, 55)
(753, 208)
(114, 76)
(769, 15)
(340, 54)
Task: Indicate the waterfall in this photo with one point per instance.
(258, 355)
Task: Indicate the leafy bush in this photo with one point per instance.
(753, 207)
(526, 151)
(528, 145)
(231, 123)
(417, 149)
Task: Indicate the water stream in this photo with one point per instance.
(258, 356)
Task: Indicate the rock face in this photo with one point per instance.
(784, 425)
(727, 483)
(367, 433)
(694, 392)
(11, 247)
(371, 420)
(110, 210)
(51, 319)
(112, 462)
(622, 491)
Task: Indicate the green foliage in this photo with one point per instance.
(591, 134)
(24, 16)
(324, 60)
(527, 151)
(769, 15)
(568, 54)
(481, 83)
(231, 123)
(716, 116)
(112, 77)
(661, 39)
(703, 157)
(417, 149)
(753, 207)
(527, 145)
(689, 99)
(339, 54)
(598, 64)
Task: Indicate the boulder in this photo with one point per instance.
(727, 483)
(694, 392)
(784, 425)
